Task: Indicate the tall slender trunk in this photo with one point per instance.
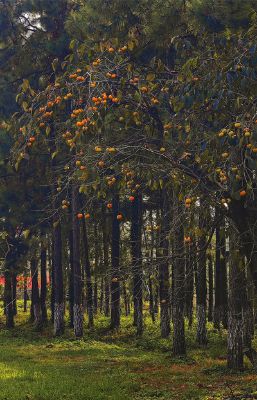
(163, 253)
(210, 288)
(106, 266)
(201, 287)
(35, 300)
(25, 291)
(51, 257)
(151, 276)
(189, 283)
(58, 280)
(115, 272)
(151, 298)
(235, 321)
(8, 298)
(95, 307)
(14, 292)
(89, 286)
(96, 269)
(101, 300)
(247, 314)
(136, 250)
(220, 308)
(126, 298)
(178, 304)
(43, 292)
(71, 280)
(77, 304)
(243, 239)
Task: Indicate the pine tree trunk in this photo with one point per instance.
(87, 269)
(8, 298)
(106, 296)
(163, 253)
(126, 300)
(201, 287)
(151, 276)
(178, 304)
(247, 314)
(101, 300)
(35, 300)
(189, 284)
(235, 343)
(221, 301)
(156, 301)
(136, 250)
(151, 298)
(218, 283)
(95, 296)
(106, 266)
(210, 287)
(25, 292)
(115, 272)
(96, 268)
(43, 292)
(235, 322)
(71, 280)
(14, 293)
(58, 281)
(77, 303)
(51, 256)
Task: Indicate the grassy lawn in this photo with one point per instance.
(108, 365)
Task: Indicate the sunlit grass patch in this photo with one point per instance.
(113, 364)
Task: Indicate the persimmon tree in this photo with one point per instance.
(150, 131)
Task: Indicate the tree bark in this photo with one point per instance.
(210, 288)
(163, 254)
(101, 300)
(178, 304)
(151, 298)
(126, 299)
(14, 292)
(221, 300)
(136, 250)
(189, 284)
(71, 280)
(77, 302)
(106, 266)
(87, 269)
(8, 298)
(58, 280)
(35, 300)
(51, 257)
(25, 292)
(43, 292)
(201, 288)
(115, 271)
(96, 269)
(235, 322)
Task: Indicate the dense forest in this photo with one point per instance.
(128, 170)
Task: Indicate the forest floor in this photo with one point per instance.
(104, 365)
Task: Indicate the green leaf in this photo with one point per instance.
(25, 84)
(73, 43)
(55, 64)
(83, 189)
(55, 224)
(25, 106)
(26, 233)
(150, 77)
(54, 154)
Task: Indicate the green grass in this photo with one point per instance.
(108, 365)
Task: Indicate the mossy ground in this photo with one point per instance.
(113, 365)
